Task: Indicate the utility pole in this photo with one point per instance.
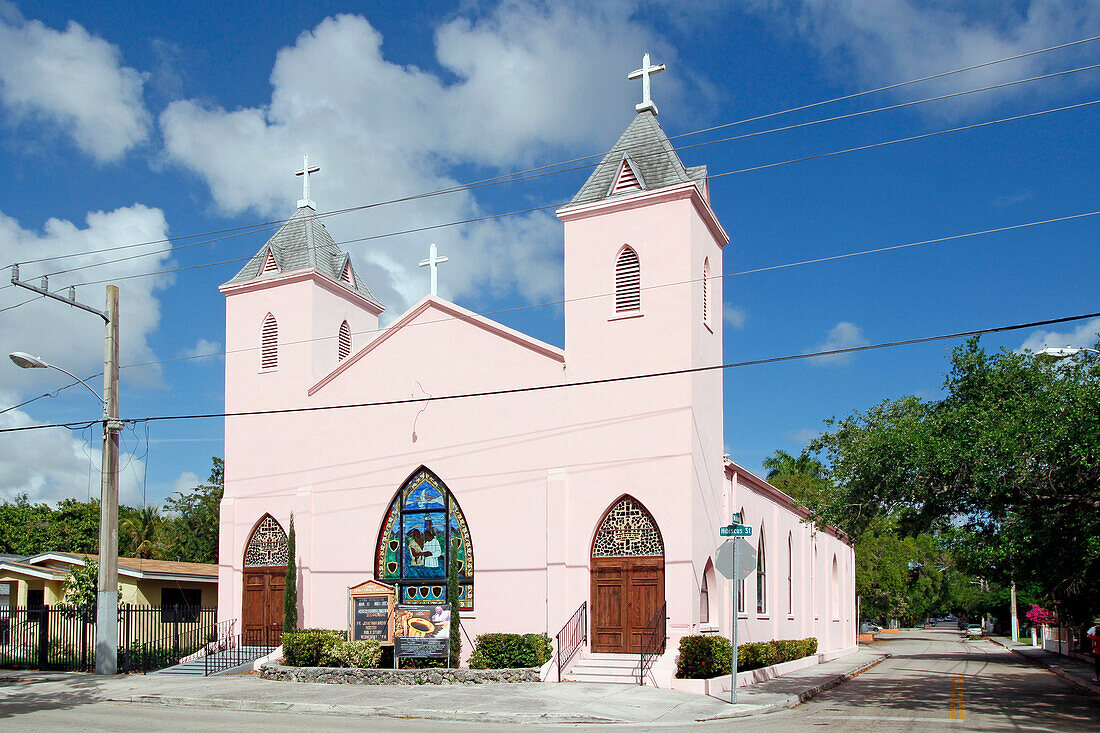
(106, 646)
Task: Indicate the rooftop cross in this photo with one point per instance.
(433, 262)
(644, 73)
(304, 173)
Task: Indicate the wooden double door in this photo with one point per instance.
(262, 614)
(626, 593)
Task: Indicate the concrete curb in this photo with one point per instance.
(1089, 687)
(275, 706)
(791, 701)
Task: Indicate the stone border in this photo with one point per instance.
(435, 676)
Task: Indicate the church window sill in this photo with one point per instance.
(626, 315)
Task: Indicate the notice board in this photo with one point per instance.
(370, 614)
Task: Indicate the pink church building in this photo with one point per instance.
(568, 480)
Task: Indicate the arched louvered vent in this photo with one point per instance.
(626, 179)
(269, 344)
(344, 349)
(346, 276)
(269, 264)
(628, 277)
(706, 292)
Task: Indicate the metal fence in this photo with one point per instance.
(64, 639)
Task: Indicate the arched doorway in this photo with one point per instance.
(628, 576)
(265, 561)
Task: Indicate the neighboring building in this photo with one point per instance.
(608, 492)
(39, 580)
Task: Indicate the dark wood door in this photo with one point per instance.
(262, 614)
(626, 593)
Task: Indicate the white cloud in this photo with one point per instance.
(74, 80)
(802, 436)
(203, 347)
(887, 41)
(843, 335)
(525, 82)
(185, 482)
(1085, 335)
(734, 316)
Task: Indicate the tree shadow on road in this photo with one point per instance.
(29, 693)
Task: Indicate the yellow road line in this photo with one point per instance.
(956, 708)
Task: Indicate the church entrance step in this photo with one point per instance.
(605, 668)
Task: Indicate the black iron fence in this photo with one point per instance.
(64, 639)
(238, 649)
(653, 641)
(572, 636)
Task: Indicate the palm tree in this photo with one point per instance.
(143, 530)
(784, 463)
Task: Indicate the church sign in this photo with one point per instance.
(371, 612)
(422, 632)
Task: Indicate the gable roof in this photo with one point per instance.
(302, 243)
(130, 566)
(651, 156)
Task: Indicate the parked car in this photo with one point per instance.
(974, 630)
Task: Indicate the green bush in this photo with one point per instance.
(510, 651)
(703, 657)
(361, 653)
(308, 647)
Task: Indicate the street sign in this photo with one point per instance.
(746, 559)
(735, 530)
(737, 518)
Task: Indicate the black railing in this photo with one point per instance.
(241, 649)
(572, 636)
(64, 639)
(653, 642)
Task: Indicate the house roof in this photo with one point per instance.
(303, 243)
(649, 153)
(27, 569)
(132, 566)
(755, 482)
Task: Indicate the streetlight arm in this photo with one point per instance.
(66, 371)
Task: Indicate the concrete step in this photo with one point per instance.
(611, 679)
(197, 667)
(606, 668)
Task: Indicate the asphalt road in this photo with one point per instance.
(934, 682)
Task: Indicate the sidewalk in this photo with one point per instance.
(542, 703)
(1078, 674)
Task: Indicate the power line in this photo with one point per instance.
(508, 177)
(583, 383)
(563, 301)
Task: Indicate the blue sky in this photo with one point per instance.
(123, 123)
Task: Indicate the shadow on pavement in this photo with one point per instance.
(27, 694)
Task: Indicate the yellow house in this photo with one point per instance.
(39, 581)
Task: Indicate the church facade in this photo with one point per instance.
(552, 477)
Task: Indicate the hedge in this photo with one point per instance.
(509, 651)
(703, 657)
(328, 648)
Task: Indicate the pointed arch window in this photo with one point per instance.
(423, 532)
(270, 265)
(347, 275)
(343, 349)
(706, 292)
(834, 582)
(761, 576)
(704, 601)
(628, 281)
(790, 574)
(626, 179)
(268, 545)
(813, 581)
(741, 582)
(269, 343)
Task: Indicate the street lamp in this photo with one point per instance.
(23, 360)
(1053, 353)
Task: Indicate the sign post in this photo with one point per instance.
(725, 562)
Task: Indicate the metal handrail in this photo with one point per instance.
(236, 652)
(572, 636)
(652, 642)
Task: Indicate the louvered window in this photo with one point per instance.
(347, 276)
(269, 264)
(628, 276)
(626, 180)
(345, 342)
(706, 292)
(269, 344)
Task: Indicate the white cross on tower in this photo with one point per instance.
(304, 173)
(644, 73)
(433, 262)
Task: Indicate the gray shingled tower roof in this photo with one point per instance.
(303, 243)
(651, 156)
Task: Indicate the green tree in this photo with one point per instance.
(141, 533)
(80, 587)
(1010, 456)
(192, 531)
(290, 587)
(453, 601)
(803, 478)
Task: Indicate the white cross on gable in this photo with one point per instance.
(304, 173)
(644, 73)
(433, 262)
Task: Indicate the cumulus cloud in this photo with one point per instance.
(1085, 335)
(886, 41)
(734, 316)
(203, 347)
(522, 82)
(843, 335)
(74, 81)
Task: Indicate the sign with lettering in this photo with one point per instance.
(422, 631)
(371, 612)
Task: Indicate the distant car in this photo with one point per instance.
(974, 630)
(868, 627)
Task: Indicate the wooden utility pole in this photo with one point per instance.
(106, 646)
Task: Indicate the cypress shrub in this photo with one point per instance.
(452, 600)
(290, 588)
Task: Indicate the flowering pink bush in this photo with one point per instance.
(1039, 616)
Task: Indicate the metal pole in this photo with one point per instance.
(106, 646)
(733, 629)
(1013, 620)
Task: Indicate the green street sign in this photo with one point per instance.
(737, 518)
(735, 530)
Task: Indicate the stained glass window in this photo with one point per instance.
(628, 531)
(423, 529)
(268, 545)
